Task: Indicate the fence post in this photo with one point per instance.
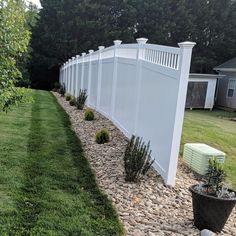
(114, 80)
(73, 76)
(60, 71)
(69, 77)
(140, 55)
(63, 74)
(66, 77)
(69, 73)
(89, 77)
(82, 71)
(184, 66)
(76, 75)
(100, 48)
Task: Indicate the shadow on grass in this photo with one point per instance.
(29, 205)
(57, 172)
(86, 177)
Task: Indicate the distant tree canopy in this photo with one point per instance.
(14, 39)
(70, 27)
(23, 62)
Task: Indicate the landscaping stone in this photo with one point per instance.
(147, 207)
(207, 232)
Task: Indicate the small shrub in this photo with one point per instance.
(56, 85)
(89, 115)
(213, 182)
(137, 159)
(81, 99)
(102, 136)
(68, 98)
(54, 90)
(214, 177)
(72, 102)
(62, 90)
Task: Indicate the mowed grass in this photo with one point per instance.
(215, 129)
(46, 184)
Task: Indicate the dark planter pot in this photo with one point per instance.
(210, 212)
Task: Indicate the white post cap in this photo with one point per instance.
(69, 60)
(73, 58)
(101, 47)
(187, 44)
(77, 56)
(83, 54)
(141, 40)
(117, 42)
(91, 51)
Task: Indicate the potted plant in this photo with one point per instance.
(212, 201)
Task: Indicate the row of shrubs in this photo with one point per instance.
(103, 135)
(137, 157)
(80, 101)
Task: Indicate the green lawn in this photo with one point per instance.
(215, 129)
(46, 185)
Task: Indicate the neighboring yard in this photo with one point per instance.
(215, 129)
(46, 184)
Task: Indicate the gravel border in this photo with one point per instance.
(145, 208)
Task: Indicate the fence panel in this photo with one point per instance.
(125, 95)
(141, 88)
(94, 84)
(86, 75)
(106, 87)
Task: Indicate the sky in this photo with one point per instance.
(37, 2)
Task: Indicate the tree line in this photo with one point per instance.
(14, 44)
(64, 28)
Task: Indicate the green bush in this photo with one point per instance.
(215, 176)
(102, 136)
(54, 90)
(137, 159)
(81, 99)
(89, 115)
(68, 97)
(72, 102)
(56, 85)
(62, 90)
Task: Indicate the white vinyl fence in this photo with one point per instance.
(141, 88)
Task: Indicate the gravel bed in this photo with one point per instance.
(145, 208)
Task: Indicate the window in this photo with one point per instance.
(231, 87)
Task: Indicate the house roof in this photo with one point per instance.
(204, 76)
(227, 66)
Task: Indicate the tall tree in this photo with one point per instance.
(214, 31)
(23, 60)
(163, 22)
(70, 27)
(209, 23)
(14, 38)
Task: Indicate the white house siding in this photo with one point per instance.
(222, 97)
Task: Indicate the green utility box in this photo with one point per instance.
(197, 155)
